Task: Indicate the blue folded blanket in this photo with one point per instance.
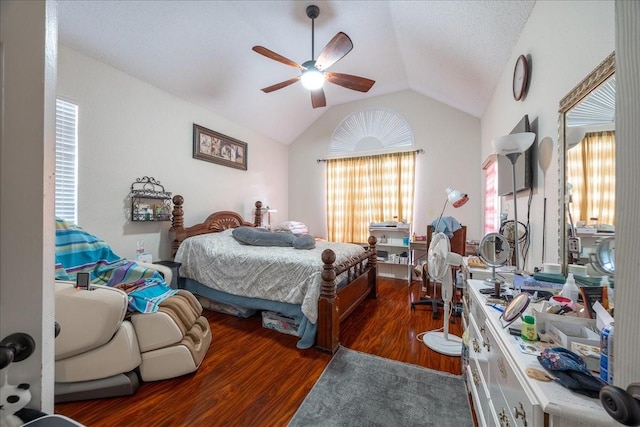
(80, 252)
(447, 225)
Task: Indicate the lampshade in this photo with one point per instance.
(312, 78)
(456, 198)
(513, 143)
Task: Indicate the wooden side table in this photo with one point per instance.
(175, 270)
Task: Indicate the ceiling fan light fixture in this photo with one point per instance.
(312, 78)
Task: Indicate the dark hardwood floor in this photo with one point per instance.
(253, 376)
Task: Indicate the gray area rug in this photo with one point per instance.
(358, 389)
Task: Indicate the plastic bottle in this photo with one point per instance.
(570, 289)
(604, 282)
(528, 329)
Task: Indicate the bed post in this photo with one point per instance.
(328, 335)
(176, 232)
(257, 221)
(373, 262)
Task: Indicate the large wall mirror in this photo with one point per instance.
(586, 162)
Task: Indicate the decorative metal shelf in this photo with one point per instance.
(149, 200)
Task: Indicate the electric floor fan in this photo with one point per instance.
(440, 261)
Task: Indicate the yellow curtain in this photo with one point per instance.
(591, 170)
(365, 189)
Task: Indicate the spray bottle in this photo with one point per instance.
(570, 289)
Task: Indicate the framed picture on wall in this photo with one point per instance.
(218, 148)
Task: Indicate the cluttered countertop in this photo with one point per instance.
(567, 407)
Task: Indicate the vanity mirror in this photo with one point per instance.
(587, 118)
(494, 250)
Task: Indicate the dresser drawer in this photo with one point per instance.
(476, 310)
(478, 349)
(480, 394)
(509, 399)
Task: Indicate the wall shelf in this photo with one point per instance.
(149, 201)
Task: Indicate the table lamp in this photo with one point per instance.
(512, 146)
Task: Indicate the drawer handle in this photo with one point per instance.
(487, 343)
(476, 377)
(502, 368)
(476, 346)
(504, 418)
(520, 412)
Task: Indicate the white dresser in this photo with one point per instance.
(503, 395)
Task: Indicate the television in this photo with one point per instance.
(524, 164)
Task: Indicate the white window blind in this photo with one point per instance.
(66, 160)
(491, 201)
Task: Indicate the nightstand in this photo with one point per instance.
(175, 270)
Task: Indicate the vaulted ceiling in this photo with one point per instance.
(201, 51)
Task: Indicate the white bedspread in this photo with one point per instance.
(281, 274)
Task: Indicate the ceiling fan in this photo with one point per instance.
(314, 72)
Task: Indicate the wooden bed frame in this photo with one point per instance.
(334, 304)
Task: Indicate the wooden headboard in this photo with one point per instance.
(215, 223)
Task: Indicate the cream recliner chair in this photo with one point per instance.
(100, 351)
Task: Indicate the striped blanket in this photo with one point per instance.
(80, 252)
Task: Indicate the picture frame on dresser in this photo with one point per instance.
(215, 147)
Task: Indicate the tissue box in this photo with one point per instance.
(565, 330)
(280, 323)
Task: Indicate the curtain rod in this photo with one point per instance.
(418, 151)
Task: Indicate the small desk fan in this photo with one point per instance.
(441, 259)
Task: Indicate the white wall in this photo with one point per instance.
(129, 129)
(449, 137)
(566, 41)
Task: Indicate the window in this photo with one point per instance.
(591, 171)
(491, 200)
(365, 189)
(66, 160)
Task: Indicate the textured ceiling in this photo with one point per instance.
(200, 51)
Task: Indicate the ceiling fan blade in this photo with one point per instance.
(360, 84)
(335, 50)
(280, 85)
(276, 57)
(318, 99)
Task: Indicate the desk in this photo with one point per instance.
(503, 273)
(502, 393)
